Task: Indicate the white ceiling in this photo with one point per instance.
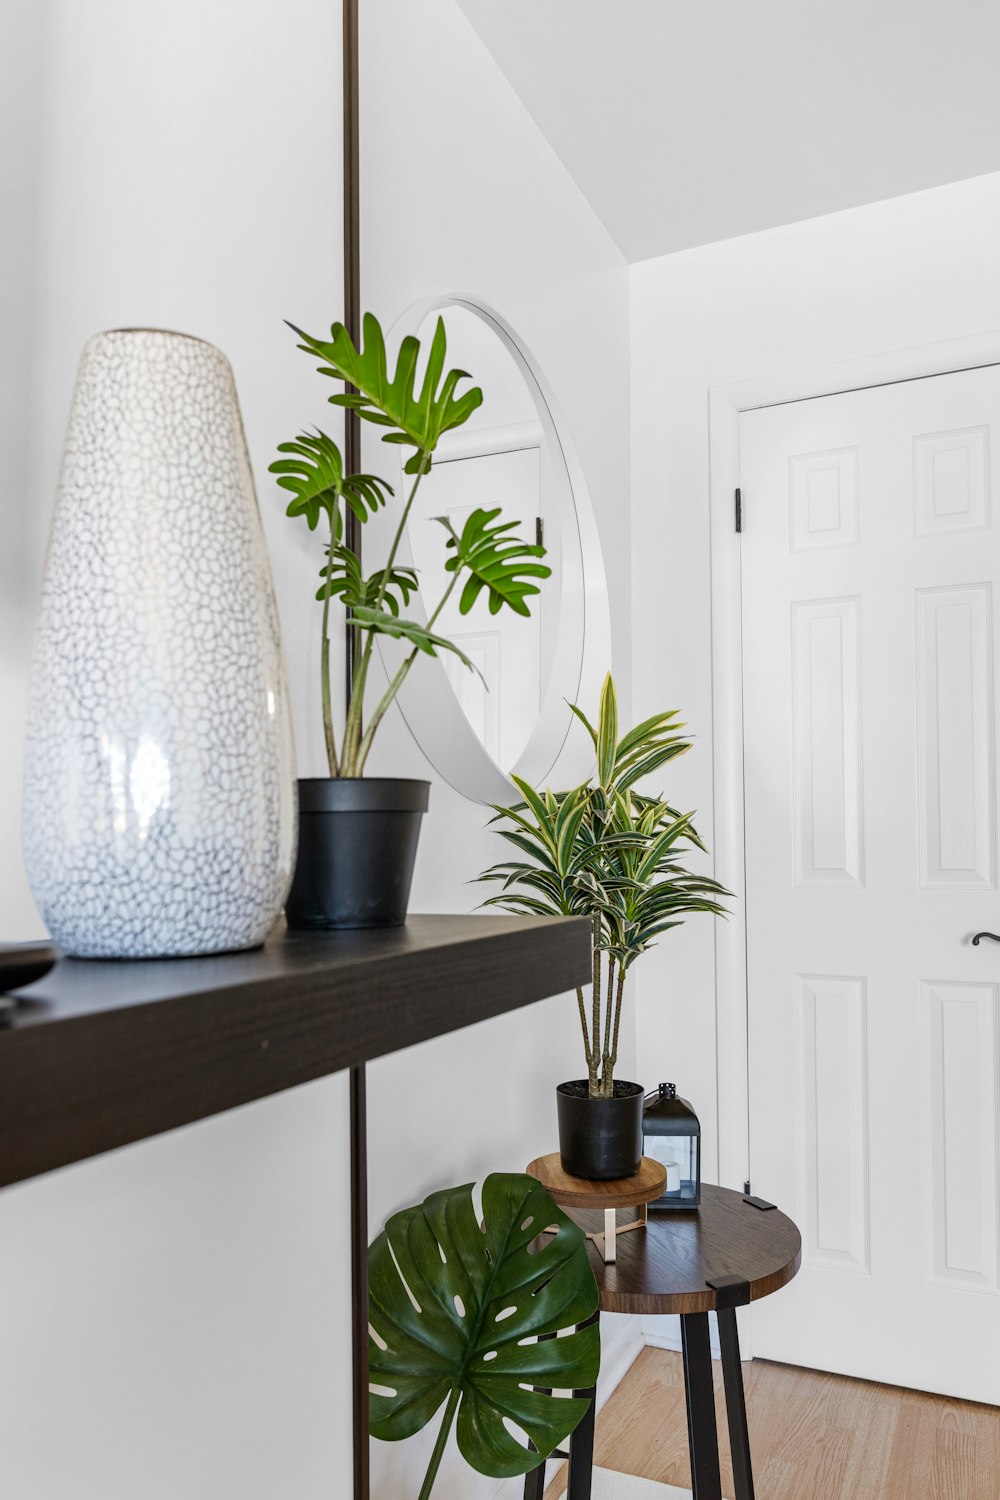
(688, 121)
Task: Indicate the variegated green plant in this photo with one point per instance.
(609, 852)
(484, 557)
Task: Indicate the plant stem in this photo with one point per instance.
(439, 1446)
(593, 1089)
(356, 747)
(328, 734)
(583, 1026)
(355, 713)
(395, 685)
(606, 1085)
(618, 1018)
(380, 596)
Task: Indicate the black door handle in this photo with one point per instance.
(991, 935)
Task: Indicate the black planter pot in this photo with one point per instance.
(600, 1138)
(357, 845)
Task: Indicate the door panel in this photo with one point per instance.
(870, 559)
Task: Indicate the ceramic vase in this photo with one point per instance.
(159, 812)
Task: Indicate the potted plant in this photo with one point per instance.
(358, 835)
(453, 1303)
(609, 852)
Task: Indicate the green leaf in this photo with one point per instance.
(314, 475)
(575, 709)
(546, 824)
(607, 732)
(527, 906)
(391, 400)
(570, 817)
(365, 494)
(496, 562)
(644, 765)
(650, 728)
(479, 1292)
(384, 622)
(344, 579)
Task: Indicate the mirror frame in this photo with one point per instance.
(582, 650)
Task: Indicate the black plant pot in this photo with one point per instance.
(600, 1138)
(357, 845)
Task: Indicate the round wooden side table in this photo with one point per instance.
(730, 1252)
(608, 1196)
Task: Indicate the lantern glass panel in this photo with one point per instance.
(679, 1154)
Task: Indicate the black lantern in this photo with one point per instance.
(672, 1136)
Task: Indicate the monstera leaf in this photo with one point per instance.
(496, 562)
(390, 400)
(451, 1303)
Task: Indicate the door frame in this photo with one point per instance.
(726, 403)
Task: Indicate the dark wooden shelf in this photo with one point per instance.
(100, 1054)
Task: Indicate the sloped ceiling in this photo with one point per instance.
(688, 121)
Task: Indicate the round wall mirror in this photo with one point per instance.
(509, 713)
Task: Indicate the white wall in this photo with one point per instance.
(911, 271)
(180, 1325)
(478, 204)
(22, 90)
(181, 1322)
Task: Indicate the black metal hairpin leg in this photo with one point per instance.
(581, 1453)
(699, 1389)
(736, 1406)
(581, 1444)
(534, 1483)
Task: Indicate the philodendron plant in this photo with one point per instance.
(611, 853)
(484, 557)
(453, 1303)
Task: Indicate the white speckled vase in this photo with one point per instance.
(159, 809)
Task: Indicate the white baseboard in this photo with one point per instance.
(665, 1333)
(622, 1342)
(621, 1347)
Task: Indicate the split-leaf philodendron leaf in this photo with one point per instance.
(390, 399)
(451, 1302)
(501, 564)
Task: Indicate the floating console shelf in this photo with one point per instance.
(101, 1054)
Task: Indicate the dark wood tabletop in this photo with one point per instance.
(99, 1054)
(664, 1267)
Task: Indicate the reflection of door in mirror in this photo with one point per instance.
(502, 696)
(497, 460)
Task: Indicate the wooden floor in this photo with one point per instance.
(814, 1436)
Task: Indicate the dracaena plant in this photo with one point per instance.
(614, 854)
(484, 558)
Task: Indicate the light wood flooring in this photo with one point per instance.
(814, 1436)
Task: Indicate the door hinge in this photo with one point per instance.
(739, 510)
(539, 532)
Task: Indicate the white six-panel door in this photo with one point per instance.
(871, 570)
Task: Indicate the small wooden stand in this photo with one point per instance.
(621, 1192)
